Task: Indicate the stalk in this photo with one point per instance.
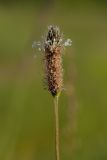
(57, 135)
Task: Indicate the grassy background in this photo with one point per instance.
(26, 109)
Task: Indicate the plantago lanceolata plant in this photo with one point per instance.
(52, 48)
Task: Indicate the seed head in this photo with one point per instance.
(53, 60)
(52, 47)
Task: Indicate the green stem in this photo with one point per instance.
(56, 127)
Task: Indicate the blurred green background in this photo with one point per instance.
(26, 109)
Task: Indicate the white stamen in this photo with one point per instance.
(68, 42)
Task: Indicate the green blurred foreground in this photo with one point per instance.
(26, 109)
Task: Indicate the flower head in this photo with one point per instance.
(53, 60)
(52, 48)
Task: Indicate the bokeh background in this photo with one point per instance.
(26, 109)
